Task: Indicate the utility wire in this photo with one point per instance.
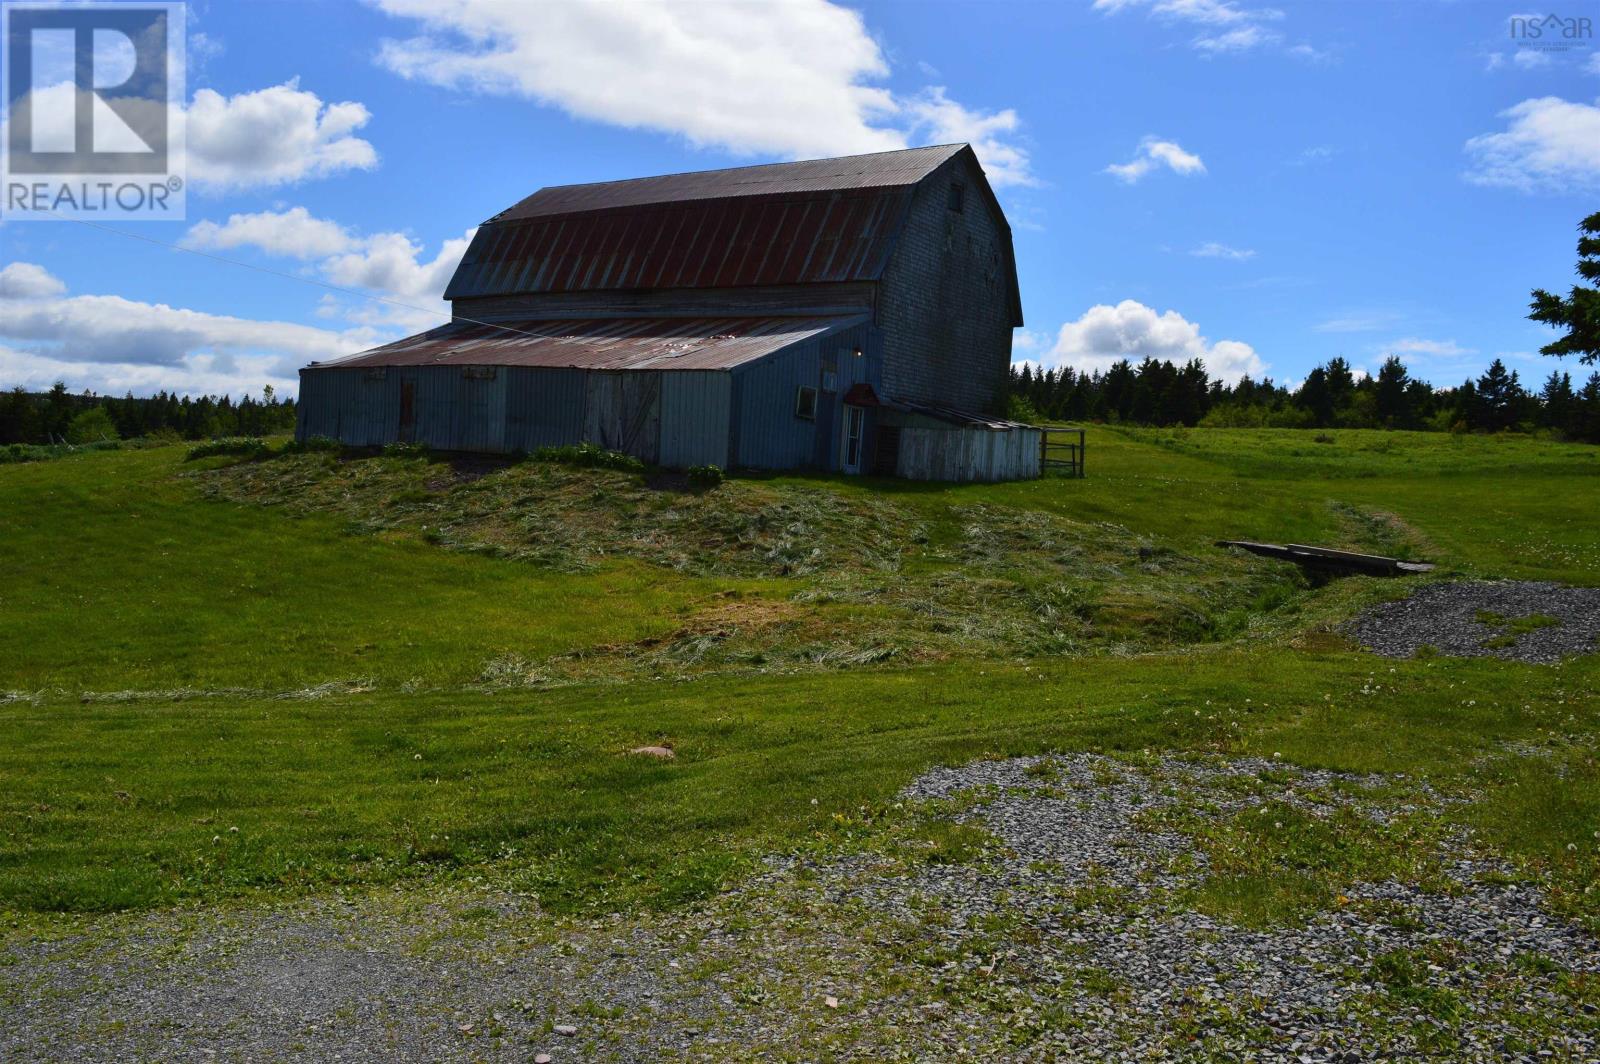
(302, 280)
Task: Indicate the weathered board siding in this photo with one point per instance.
(967, 454)
(622, 412)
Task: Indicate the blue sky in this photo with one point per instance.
(1261, 185)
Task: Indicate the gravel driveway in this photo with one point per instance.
(1516, 620)
(1057, 924)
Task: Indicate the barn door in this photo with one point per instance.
(622, 412)
(407, 432)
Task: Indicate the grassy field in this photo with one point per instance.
(229, 679)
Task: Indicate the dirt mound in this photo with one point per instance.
(1516, 620)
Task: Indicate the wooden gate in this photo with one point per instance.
(1061, 449)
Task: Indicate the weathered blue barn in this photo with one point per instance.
(848, 314)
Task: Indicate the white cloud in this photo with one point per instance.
(112, 344)
(1494, 61)
(1312, 55)
(293, 233)
(1228, 28)
(197, 374)
(1238, 39)
(1358, 321)
(794, 79)
(112, 329)
(941, 120)
(391, 265)
(1025, 342)
(1550, 144)
(1428, 348)
(1134, 331)
(274, 136)
(1214, 250)
(1205, 12)
(1531, 59)
(27, 280)
(1320, 153)
(1154, 152)
(1593, 66)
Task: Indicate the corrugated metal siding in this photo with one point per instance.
(715, 243)
(768, 434)
(675, 419)
(695, 408)
(479, 410)
(740, 419)
(544, 407)
(352, 406)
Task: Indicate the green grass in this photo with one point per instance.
(115, 576)
(348, 661)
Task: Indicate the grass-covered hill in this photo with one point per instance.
(384, 667)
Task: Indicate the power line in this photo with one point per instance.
(302, 280)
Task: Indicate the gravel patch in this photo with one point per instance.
(1063, 927)
(1480, 619)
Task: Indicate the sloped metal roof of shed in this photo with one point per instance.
(599, 344)
(879, 170)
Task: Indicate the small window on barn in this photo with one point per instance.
(479, 373)
(805, 404)
(957, 195)
(377, 373)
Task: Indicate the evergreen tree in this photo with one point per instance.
(1392, 396)
(1499, 397)
(1557, 402)
(1579, 313)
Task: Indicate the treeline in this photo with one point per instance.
(59, 416)
(1332, 396)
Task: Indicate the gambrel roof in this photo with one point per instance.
(816, 221)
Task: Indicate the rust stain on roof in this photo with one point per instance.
(599, 344)
(815, 221)
(844, 236)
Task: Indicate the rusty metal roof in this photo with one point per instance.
(817, 221)
(599, 344)
(773, 240)
(885, 169)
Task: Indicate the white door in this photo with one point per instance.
(850, 454)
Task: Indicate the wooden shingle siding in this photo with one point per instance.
(945, 301)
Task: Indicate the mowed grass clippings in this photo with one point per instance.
(354, 675)
(834, 576)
